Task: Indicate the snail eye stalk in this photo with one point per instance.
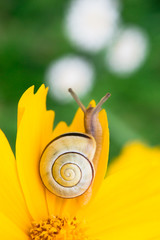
(76, 98)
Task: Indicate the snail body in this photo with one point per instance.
(68, 163)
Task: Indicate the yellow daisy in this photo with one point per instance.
(123, 206)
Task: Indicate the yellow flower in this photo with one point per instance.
(123, 206)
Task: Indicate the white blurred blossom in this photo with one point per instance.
(90, 24)
(128, 51)
(69, 72)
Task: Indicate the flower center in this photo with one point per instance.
(56, 228)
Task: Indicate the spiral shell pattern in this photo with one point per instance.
(66, 167)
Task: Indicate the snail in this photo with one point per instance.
(68, 163)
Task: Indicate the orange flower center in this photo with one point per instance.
(56, 228)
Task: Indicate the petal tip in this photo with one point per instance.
(92, 103)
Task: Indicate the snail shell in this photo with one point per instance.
(66, 166)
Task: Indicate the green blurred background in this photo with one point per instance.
(32, 36)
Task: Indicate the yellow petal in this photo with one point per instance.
(24, 101)
(33, 135)
(127, 206)
(70, 206)
(132, 154)
(134, 231)
(8, 230)
(61, 128)
(12, 203)
(77, 124)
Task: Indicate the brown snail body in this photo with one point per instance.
(68, 163)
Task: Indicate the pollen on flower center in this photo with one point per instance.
(56, 228)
